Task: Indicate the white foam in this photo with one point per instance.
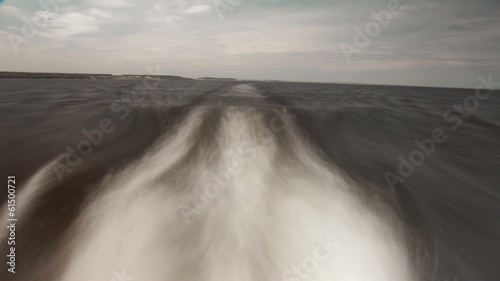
(36, 185)
(243, 90)
(265, 220)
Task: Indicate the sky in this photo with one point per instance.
(445, 43)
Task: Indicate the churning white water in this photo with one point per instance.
(237, 207)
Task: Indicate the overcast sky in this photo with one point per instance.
(428, 43)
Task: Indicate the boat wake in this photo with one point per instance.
(230, 192)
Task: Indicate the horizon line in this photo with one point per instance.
(221, 78)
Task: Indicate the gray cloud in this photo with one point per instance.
(435, 43)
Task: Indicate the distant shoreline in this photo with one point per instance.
(46, 75)
(90, 76)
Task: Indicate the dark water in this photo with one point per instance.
(449, 200)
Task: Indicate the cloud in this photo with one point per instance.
(12, 11)
(197, 9)
(300, 39)
(73, 23)
(110, 3)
